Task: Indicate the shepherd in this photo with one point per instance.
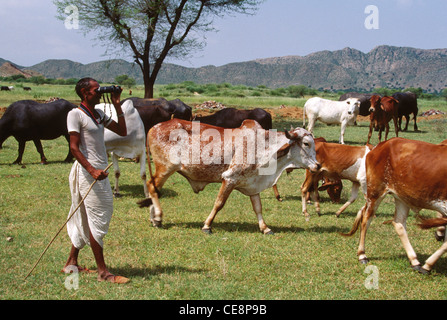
(90, 223)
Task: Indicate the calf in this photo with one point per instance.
(229, 164)
(414, 173)
(337, 162)
(331, 112)
(382, 111)
(29, 120)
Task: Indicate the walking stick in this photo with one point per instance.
(69, 217)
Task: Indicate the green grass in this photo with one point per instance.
(302, 260)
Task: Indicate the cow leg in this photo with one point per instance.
(354, 194)
(407, 118)
(310, 127)
(400, 225)
(370, 132)
(143, 172)
(367, 212)
(116, 168)
(153, 185)
(39, 148)
(21, 151)
(275, 190)
(415, 124)
(257, 207)
(396, 128)
(344, 124)
(69, 157)
(387, 130)
(433, 258)
(224, 193)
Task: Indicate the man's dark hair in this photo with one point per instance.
(83, 83)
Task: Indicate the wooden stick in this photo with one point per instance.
(69, 217)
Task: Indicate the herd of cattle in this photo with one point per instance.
(396, 166)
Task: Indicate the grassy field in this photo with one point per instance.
(301, 261)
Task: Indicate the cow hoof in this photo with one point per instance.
(279, 198)
(117, 195)
(423, 271)
(439, 236)
(364, 261)
(269, 232)
(416, 267)
(207, 231)
(157, 224)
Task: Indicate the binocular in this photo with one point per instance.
(111, 89)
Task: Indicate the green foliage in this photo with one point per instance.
(125, 80)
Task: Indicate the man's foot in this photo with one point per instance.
(114, 279)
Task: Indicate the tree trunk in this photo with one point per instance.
(148, 82)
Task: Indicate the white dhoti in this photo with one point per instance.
(95, 213)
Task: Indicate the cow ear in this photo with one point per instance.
(288, 136)
(283, 150)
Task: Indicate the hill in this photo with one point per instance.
(346, 69)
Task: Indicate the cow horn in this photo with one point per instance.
(292, 136)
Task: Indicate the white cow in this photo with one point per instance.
(331, 112)
(131, 146)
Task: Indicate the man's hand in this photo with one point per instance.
(98, 174)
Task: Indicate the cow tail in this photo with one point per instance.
(425, 223)
(356, 224)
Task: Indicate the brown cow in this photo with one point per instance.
(382, 111)
(414, 173)
(225, 160)
(337, 162)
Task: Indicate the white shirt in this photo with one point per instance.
(92, 144)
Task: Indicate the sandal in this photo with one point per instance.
(114, 279)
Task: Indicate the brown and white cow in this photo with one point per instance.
(337, 162)
(293, 149)
(382, 110)
(414, 173)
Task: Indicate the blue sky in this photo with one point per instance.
(31, 33)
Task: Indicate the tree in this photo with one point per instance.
(124, 80)
(152, 30)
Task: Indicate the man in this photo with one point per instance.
(90, 223)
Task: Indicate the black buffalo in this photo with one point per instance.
(27, 120)
(151, 115)
(175, 107)
(408, 104)
(365, 103)
(233, 118)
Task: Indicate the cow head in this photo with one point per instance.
(301, 148)
(353, 105)
(375, 103)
